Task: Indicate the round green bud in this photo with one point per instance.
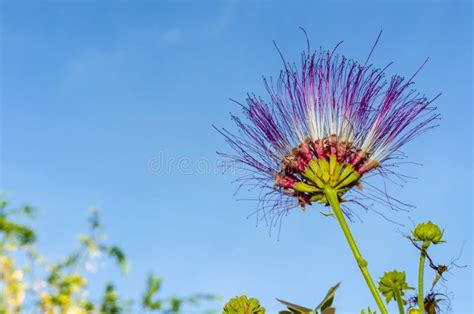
(390, 281)
(243, 305)
(414, 311)
(427, 232)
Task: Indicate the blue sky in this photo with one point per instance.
(110, 104)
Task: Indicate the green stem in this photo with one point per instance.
(398, 297)
(421, 270)
(332, 197)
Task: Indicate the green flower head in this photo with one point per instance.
(243, 305)
(414, 311)
(392, 281)
(427, 232)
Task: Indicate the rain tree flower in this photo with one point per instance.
(325, 127)
(328, 123)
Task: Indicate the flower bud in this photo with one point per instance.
(393, 280)
(414, 311)
(243, 305)
(427, 232)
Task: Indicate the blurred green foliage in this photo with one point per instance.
(30, 283)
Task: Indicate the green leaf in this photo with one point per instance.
(22, 233)
(295, 308)
(70, 260)
(328, 299)
(120, 257)
(153, 286)
(327, 214)
(3, 202)
(28, 211)
(110, 301)
(329, 310)
(175, 304)
(93, 219)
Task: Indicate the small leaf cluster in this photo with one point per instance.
(61, 286)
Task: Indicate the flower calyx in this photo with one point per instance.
(428, 233)
(393, 282)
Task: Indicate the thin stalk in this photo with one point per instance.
(421, 270)
(398, 298)
(336, 207)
